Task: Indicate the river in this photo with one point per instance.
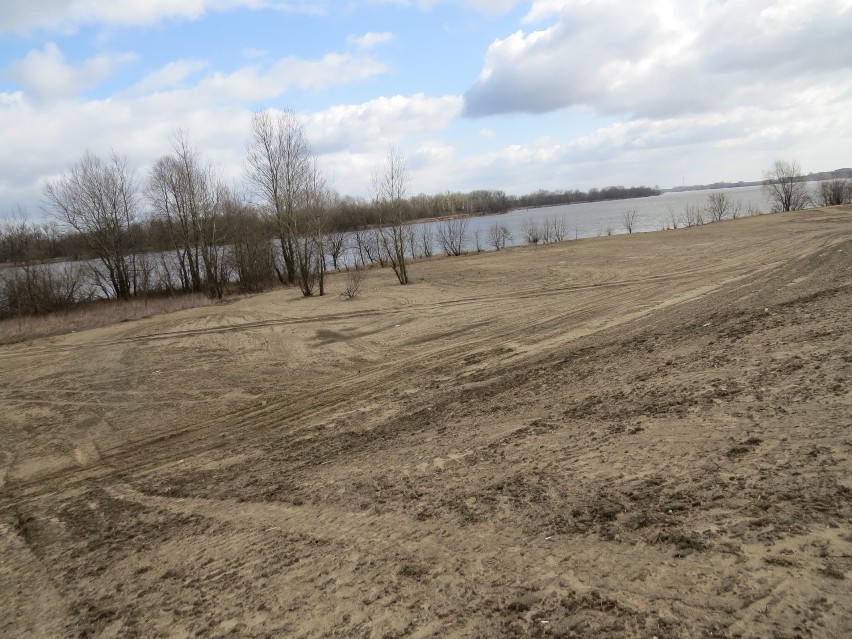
(576, 220)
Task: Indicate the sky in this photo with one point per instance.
(494, 94)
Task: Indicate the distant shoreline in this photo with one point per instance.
(841, 174)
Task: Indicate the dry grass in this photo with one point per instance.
(94, 315)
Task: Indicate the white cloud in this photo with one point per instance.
(167, 91)
(730, 145)
(46, 75)
(38, 142)
(369, 40)
(371, 125)
(493, 7)
(171, 75)
(67, 15)
(662, 58)
(256, 83)
(426, 157)
(725, 87)
(542, 9)
(40, 138)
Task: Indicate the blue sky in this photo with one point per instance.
(515, 95)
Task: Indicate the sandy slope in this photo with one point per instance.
(632, 436)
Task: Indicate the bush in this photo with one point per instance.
(36, 289)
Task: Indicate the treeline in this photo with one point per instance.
(554, 198)
(21, 241)
(182, 229)
(836, 174)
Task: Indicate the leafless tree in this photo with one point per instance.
(674, 220)
(283, 171)
(375, 238)
(531, 230)
(499, 235)
(277, 158)
(354, 282)
(362, 247)
(692, 215)
(336, 243)
(629, 219)
(452, 235)
(424, 239)
(833, 192)
(251, 257)
(784, 187)
(390, 184)
(31, 286)
(413, 245)
(187, 195)
(477, 240)
(717, 206)
(736, 210)
(546, 237)
(310, 239)
(99, 200)
(555, 229)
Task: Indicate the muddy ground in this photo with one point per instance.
(633, 436)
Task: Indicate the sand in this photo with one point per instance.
(629, 436)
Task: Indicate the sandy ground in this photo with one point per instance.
(634, 436)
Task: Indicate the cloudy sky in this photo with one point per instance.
(507, 94)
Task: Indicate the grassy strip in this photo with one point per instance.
(94, 315)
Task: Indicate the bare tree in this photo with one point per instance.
(499, 235)
(531, 230)
(376, 250)
(674, 221)
(310, 238)
(186, 195)
(452, 235)
(251, 257)
(833, 192)
(284, 173)
(277, 156)
(424, 239)
(99, 200)
(390, 184)
(336, 243)
(736, 210)
(784, 187)
(555, 229)
(692, 215)
(354, 282)
(477, 240)
(413, 245)
(32, 286)
(721, 205)
(364, 247)
(629, 219)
